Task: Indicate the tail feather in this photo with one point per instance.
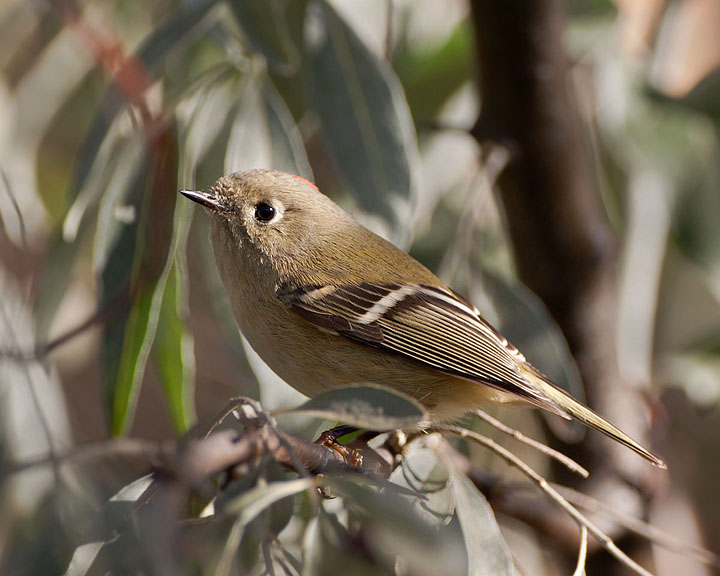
(582, 413)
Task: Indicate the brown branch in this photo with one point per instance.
(201, 459)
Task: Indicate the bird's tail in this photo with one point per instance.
(582, 413)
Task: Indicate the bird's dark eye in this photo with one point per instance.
(264, 212)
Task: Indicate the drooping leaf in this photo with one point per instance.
(488, 553)
(173, 350)
(327, 544)
(392, 527)
(366, 406)
(131, 258)
(112, 518)
(364, 116)
(61, 143)
(263, 25)
(287, 145)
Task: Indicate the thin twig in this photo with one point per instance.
(568, 462)
(552, 493)
(267, 557)
(120, 446)
(582, 554)
(639, 527)
(108, 312)
(16, 207)
(52, 453)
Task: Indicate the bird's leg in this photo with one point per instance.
(330, 437)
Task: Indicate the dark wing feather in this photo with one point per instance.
(428, 324)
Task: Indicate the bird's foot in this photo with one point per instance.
(330, 437)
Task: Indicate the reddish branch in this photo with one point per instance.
(128, 73)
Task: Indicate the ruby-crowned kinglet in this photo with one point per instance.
(326, 303)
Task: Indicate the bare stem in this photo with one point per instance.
(539, 446)
(551, 492)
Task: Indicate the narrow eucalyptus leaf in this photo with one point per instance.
(393, 528)
(133, 265)
(364, 116)
(487, 551)
(264, 26)
(173, 350)
(204, 115)
(83, 557)
(287, 145)
(366, 406)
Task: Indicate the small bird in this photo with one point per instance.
(326, 302)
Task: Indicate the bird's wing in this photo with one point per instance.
(428, 324)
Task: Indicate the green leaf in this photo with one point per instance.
(364, 115)
(125, 350)
(131, 256)
(366, 406)
(487, 550)
(61, 141)
(173, 351)
(263, 25)
(116, 258)
(430, 75)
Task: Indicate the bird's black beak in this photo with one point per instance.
(202, 198)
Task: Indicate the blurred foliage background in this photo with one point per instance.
(114, 321)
